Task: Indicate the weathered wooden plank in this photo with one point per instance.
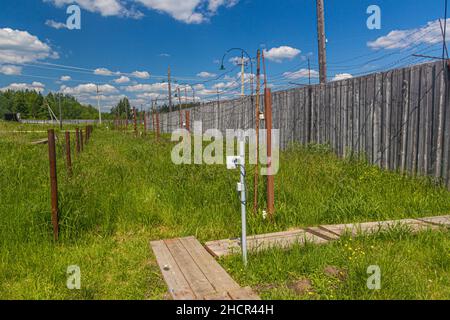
(322, 233)
(192, 273)
(375, 227)
(243, 294)
(178, 286)
(216, 275)
(440, 127)
(257, 243)
(439, 221)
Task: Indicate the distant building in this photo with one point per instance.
(12, 117)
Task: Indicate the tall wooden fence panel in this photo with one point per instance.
(399, 119)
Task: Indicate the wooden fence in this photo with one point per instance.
(398, 119)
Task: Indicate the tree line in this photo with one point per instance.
(33, 105)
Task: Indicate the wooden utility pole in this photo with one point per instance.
(309, 71)
(170, 90)
(243, 75)
(218, 98)
(257, 120)
(322, 41)
(179, 107)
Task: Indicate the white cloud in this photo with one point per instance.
(281, 53)
(154, 87)
(66, 78)
(238, 60)
(165, 55)
(10, 70)
(122, 79)
(55, 25)
(36, 86)
(187, 11)
(88, 88)
(400, 39)
(141, 74)
(205, 74)
(342, 76)
(302, 73)
(214, 5)
(103, 72)
(106, 8)
(21, 47)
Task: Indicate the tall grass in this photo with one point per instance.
(125, 191)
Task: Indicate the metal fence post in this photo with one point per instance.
(68, 154)
(270, 178)
(53, 182)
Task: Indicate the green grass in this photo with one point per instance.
(412, 267)
(125, 192)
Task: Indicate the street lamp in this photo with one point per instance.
(222, 67)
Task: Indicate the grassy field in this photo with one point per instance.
(125, 192)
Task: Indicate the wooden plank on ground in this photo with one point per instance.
(374, 227)
(439, 221)
(257, 243)
(322, 233)
(216, 275)
(177, 284)
(243, 294)
(194, 276)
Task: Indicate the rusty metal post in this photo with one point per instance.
(68, 154)
(77, 140)
(157, 126)
(53, 182)
(188, 121)
(153, 121)
(270, 177)
(86, 138)
(81, 140)
(145, 124)
(135, 121)
(257, 120)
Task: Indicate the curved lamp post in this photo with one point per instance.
(222, 67)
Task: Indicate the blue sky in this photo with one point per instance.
(131, 43)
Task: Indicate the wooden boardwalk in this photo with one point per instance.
(191, 273)
(321, 235)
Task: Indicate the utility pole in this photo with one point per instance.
(444, 46)
(218, 98)
(98, 106)
(322, 41)
(309, 71)
(179, 102)
(170, 90)
(243, 75)
(60, 112)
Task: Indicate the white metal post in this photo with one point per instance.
(243, 200)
